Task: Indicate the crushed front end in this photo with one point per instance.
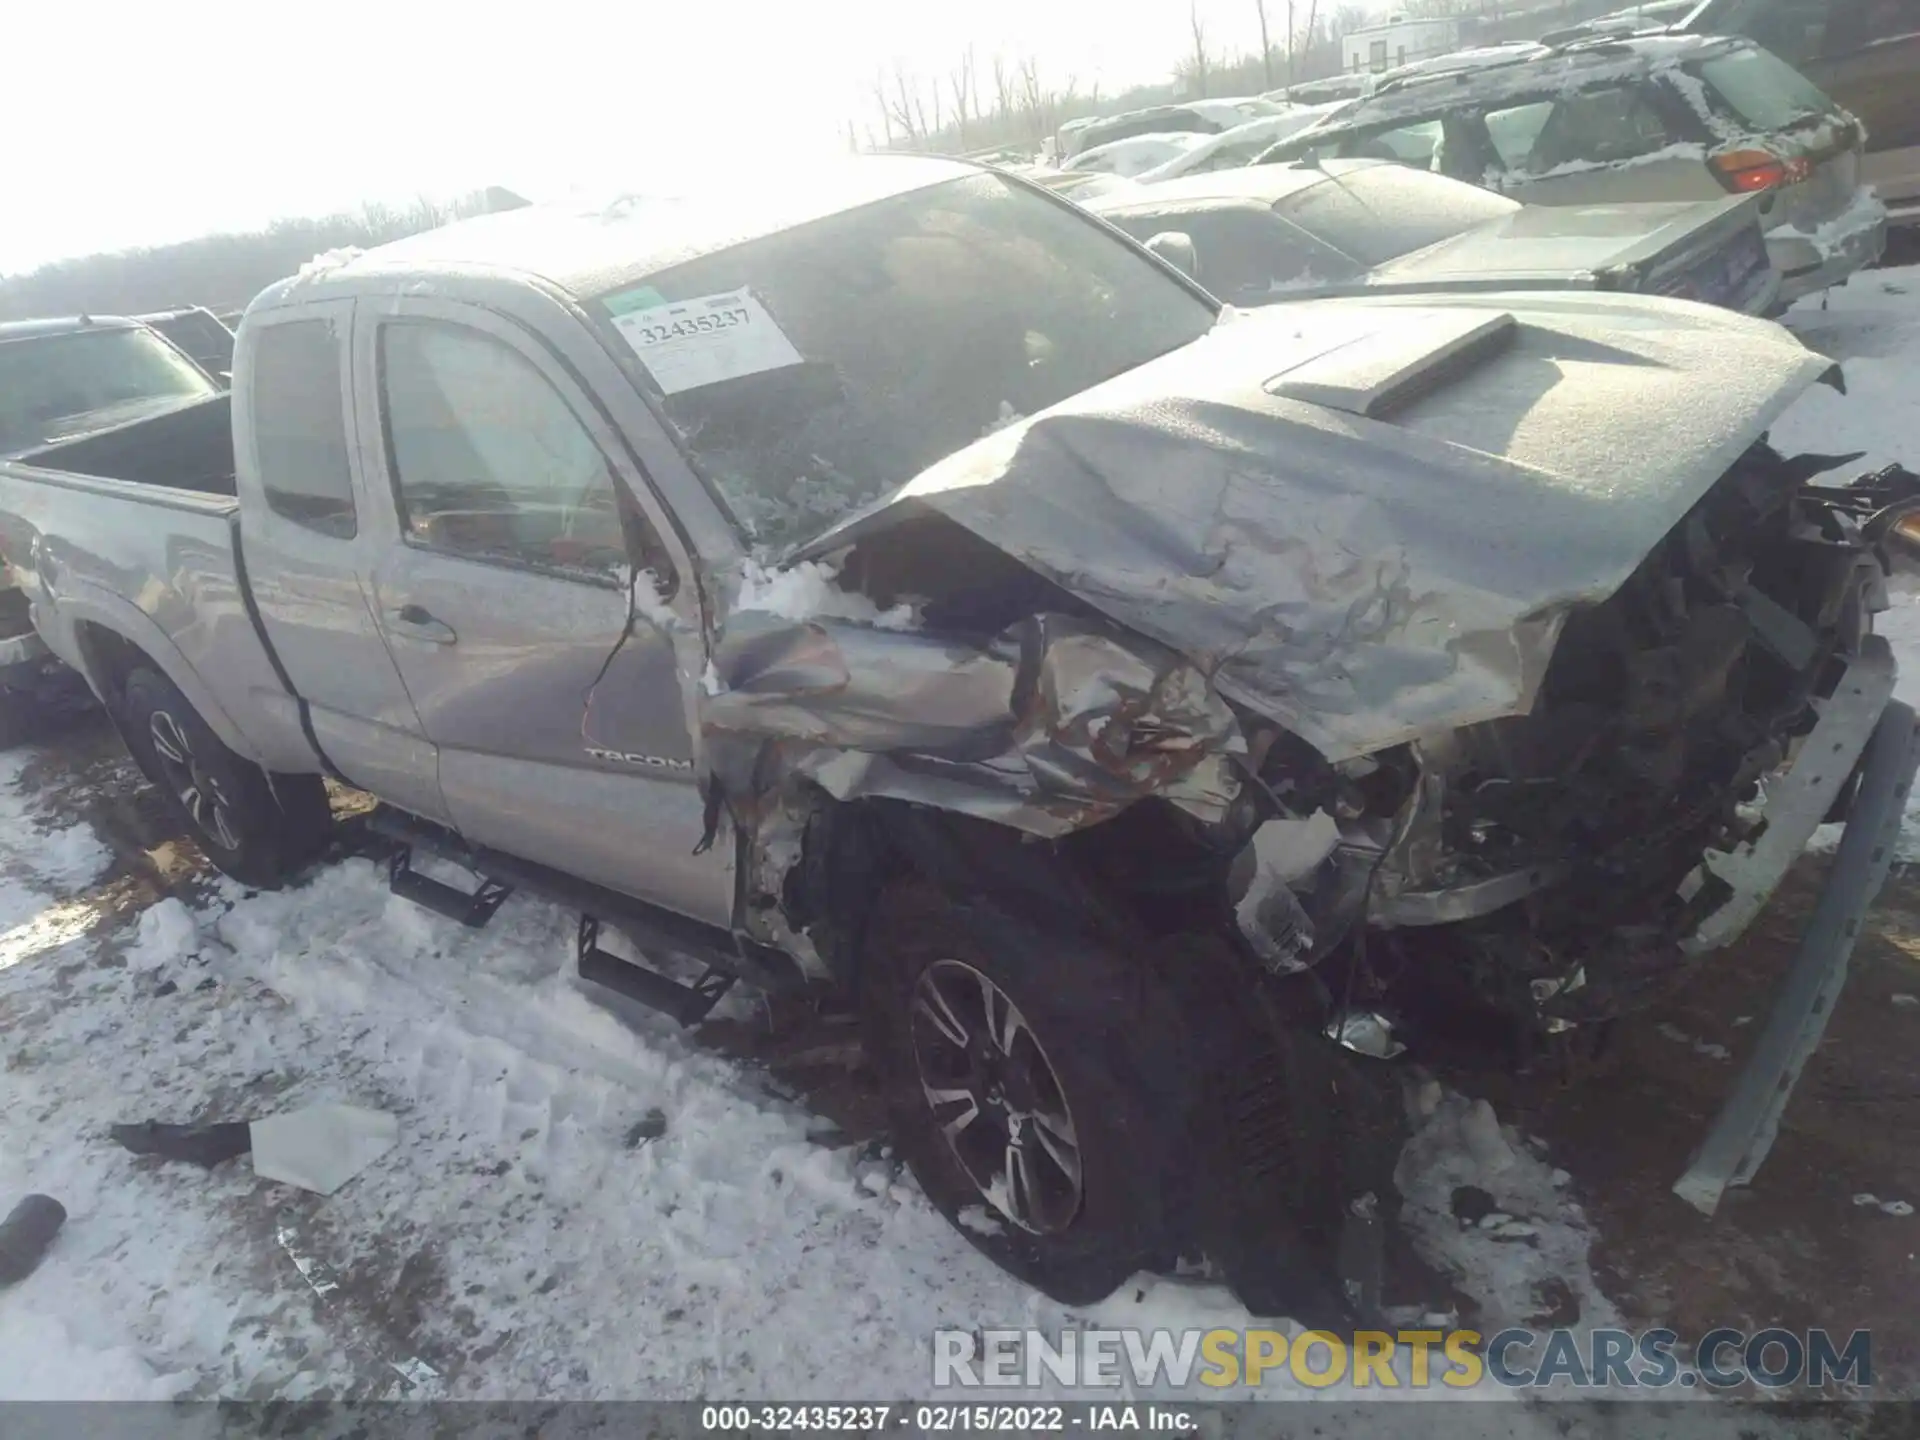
(1569, 864)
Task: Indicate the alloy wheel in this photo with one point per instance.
(198, 791)
(996, 1097)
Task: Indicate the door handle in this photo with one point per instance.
(413, 622)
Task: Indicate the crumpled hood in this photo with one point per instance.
(1369, 519)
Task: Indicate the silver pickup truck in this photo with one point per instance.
(894, 581)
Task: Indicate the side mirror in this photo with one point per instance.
(1176, 248)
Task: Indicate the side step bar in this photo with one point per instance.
(687, 1004)
(474, 909)
(1743, 1132)
(652, 929)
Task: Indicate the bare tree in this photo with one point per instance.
(909, 116)
(1266, 45)
(1312, 7)
(1033, 96)
(1199, 47)
(1003, 89)
(885, 106)
(964, 101)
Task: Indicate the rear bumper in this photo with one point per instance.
(1809, 264)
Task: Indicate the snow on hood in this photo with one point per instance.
(1364, 581)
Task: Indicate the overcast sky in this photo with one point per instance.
(139, 124)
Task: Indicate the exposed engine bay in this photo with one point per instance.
(1556, 863)
(1551, 867)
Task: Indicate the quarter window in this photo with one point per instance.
(488, 460)
(299, 427)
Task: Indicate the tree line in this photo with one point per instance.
(222, 272)
(1003, 102)
(1011, 102)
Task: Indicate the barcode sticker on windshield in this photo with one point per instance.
(689, 343)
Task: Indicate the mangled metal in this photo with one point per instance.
(1412, 662)
(1049, 727)
(1364, 582)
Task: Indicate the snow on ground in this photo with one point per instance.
(524, 1239)
(1871, 326)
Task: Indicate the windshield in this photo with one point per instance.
(813, 371)
(1378, 213)
(1763, 89)
(50, 385)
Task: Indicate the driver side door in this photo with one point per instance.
(555, 697)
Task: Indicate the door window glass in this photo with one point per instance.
(1596, 127)
(1514, 130)
(488, 460)
(1407, 145)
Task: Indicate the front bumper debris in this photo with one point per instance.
(1743, 1132)
(1801, 799)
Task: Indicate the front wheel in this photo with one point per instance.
(1039, 1088)
(257, 831)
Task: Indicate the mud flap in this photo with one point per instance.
(1743, 1132)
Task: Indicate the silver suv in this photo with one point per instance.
(1652, 117)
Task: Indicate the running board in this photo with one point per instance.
(652, 929)
(471, 908)
(688, 1004)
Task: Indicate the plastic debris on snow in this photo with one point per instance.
(1509, 1257)
(806, 592)
(321, 1147)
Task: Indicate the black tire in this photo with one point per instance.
(257, 830)
(1108, 1035)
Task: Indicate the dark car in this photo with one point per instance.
(1157, 120)
(1277, 232)
(198, 332)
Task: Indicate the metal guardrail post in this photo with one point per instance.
(1744, 1130)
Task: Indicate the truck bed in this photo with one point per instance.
(190, 448)
(135, 531)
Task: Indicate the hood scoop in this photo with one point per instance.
(1379, 372)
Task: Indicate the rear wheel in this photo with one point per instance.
(1039, 1085)
(257, 831)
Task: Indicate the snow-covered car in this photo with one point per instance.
(1231, 110)
(1135, 155)
(1324, 91)
(1645, 117)
(886, 582)
(1355, 227)
(1078, 185)
(1241, 145)
(1077, 136)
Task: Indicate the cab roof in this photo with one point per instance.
(589, 248)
